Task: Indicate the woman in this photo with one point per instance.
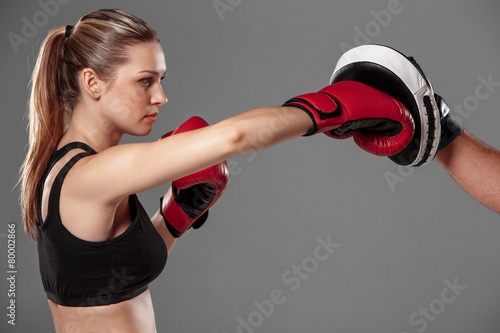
(93, 83)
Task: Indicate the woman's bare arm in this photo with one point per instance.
(130, 168)
(160, 226)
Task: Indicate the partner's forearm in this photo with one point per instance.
(475, 166)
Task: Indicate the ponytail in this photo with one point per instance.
(97, 41)
(47, 120)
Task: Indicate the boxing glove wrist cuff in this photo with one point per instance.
(170, 228)
(322, 99)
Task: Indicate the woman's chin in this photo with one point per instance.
(141, 132)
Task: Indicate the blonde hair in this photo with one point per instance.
(98, 41)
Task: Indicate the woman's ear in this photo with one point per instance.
(91, 83)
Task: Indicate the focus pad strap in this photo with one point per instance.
(450, 128)
(385, 127)
(195, 199)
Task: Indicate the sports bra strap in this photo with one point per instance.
(55, 190)
(58, 154)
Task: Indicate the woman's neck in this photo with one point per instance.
(87, 127)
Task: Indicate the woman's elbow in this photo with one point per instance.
(236, 140)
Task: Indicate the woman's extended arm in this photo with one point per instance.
(125, 169)
(475, 166)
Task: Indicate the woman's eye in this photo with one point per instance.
(146, 80)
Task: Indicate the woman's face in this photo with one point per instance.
(130, 102)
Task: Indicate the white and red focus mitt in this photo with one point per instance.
(399, 76)
(188, 200)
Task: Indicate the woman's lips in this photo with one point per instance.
(151, 117)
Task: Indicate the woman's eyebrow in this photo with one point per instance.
(152, 72)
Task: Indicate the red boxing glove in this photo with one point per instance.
(186, 203)
(379, 123)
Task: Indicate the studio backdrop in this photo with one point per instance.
(312, 235)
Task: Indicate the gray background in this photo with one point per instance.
(397, 245)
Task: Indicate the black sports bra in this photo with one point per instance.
(76, 272)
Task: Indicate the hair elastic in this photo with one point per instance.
(68, 30)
